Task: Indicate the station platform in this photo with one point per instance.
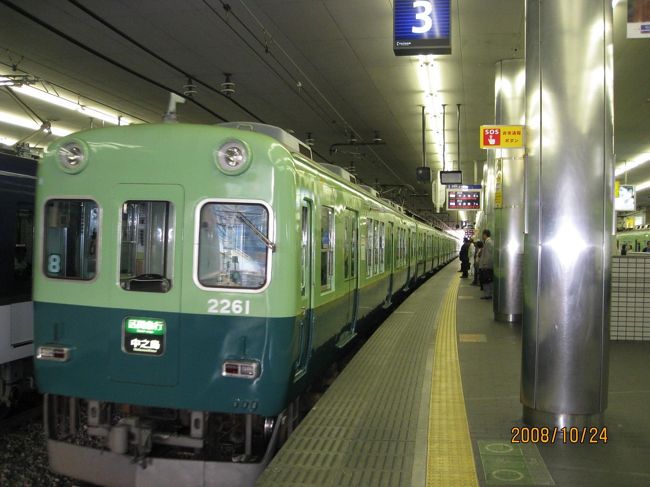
(431, 400)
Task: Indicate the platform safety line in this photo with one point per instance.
(450, 458)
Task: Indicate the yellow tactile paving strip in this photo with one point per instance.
(450, 460)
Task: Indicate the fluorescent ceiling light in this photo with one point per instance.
(72, 105)
(430, 84)
(28, 123)
(633, 163)
(642, 186)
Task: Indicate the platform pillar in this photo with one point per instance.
(508, 231)
(569, 216)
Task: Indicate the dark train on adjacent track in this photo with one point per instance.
(191, 282)
(17, 183)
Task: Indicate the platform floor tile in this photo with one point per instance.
(368, 428)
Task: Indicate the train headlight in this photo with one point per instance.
(72, 157)
(233, 157)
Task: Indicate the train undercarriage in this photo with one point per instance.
(125, 445)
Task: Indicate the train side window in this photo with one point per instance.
(382, 246)
(354, 257)
(304, 248)
(375, 247)
(346, 250)
(327, 249)
(145, 256)
(370, 243)
(234, 245)
(71, 237)
(16, 233)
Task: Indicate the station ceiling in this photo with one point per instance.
(319, 67)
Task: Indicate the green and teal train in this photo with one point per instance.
(190, 283)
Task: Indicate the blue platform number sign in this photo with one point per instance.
(422, 27)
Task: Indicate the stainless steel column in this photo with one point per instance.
(508, 231)
(488, 192)
(569, 215)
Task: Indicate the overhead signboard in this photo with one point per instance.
(466, 198)
(638, 19)
(421, 27)
(624, 197)
(502, 136)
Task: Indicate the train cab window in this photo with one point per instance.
(234, 245)
(71, 237)
(147, 240)
(327, 249)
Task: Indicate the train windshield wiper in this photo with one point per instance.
(254, 229)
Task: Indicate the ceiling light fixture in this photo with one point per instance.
(429, 77)
(642, 186)
(633, 163)
(71, 105)
(18, 121)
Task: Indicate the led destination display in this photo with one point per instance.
(464, 199)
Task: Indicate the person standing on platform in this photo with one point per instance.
(464, 257)
(486, 264)
(647, 246)
(470, 256)
(478, 245)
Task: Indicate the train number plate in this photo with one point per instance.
(144, 336)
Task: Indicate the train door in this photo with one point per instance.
(306, 287)
(350, 272)
(148, 295)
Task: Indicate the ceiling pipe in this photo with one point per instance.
(424, 139)
(458, 132)
(444, 136)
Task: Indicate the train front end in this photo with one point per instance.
(165, 333)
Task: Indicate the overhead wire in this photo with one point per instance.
(123, 34)
(109, 60)
(292, 88)
(185, 73)
(313, 85)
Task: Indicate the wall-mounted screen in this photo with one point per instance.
(421, 27)
(451, 177)
(464, 199)
(625, 198)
